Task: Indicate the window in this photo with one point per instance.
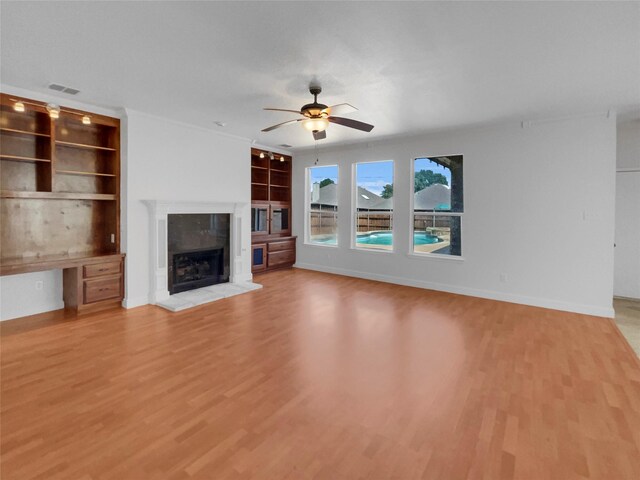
(322, 205)
(438, 205)
(374, 205)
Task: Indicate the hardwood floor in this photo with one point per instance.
(320, 377)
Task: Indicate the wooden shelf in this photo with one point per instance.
(17, 158)
(259, 168)
(278, 170)
(56, 195)
(24, 132)
(82, 145)
(280, 186)
(256, 183)
(78, 172)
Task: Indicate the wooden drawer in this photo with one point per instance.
(281, 245)
(102, 289)
(100, 269)
(284, 257)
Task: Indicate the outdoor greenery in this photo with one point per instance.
(325, 182)
(425, 178)
(422, 180)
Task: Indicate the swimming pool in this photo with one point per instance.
(383, 238)
(386, 238)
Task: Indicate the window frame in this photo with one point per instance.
(354, 208)
(307, 207)
(432, 255)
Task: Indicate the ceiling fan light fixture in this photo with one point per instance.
(316, 124)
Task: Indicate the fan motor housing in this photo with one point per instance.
(313, 110)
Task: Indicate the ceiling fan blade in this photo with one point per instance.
(340, 109)
(273, 127)
(282, 110)
(347, 122)
(320, 135)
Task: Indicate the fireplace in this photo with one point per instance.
(198, 250)
(237, 260)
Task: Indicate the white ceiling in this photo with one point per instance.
(408, 67)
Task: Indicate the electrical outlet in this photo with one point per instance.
(503, 278)
(39, 285)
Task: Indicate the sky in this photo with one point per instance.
(375, 175)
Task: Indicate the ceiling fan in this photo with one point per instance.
(317, 116)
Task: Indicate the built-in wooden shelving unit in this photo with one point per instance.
(60, 199)
(272, 243)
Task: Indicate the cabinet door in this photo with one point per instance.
(280, 220)
(258, 257)
(260, 219)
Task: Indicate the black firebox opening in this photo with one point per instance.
(197, 269)
(199, 250)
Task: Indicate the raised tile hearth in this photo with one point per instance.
(200, 296)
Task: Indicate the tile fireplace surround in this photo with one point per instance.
(240, 277)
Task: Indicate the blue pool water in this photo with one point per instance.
(384, 238)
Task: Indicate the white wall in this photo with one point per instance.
(627, 237)
(539, 205)
(20, 296)
(167, 160)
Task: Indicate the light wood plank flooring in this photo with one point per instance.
(320, 377)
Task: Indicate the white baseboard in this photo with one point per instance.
(594, 310)
(135, 302)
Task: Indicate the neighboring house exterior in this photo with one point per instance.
(433, 197)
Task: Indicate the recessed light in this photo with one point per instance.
(18, 107)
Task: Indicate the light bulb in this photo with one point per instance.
(54, 110)
(281, 158)
(86, 120)
(316, 124)
(18, 107)
(261, 154)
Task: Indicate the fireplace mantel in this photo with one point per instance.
(158, 212)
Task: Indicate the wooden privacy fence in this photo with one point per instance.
(372, 221)
(326, 222)
(424, 221)
(323, 222)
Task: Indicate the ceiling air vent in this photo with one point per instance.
(63, 89)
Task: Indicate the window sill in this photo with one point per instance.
(321, 245)
(372, 250)
(436, 256)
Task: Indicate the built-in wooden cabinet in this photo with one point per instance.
(60, 197)
(271, 211)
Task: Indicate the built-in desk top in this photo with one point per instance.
(13, 266)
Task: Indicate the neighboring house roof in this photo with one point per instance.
(328, 195)
(434, 197)
(367, 199)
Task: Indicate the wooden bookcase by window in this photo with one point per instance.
(271, 210)
(60, 198)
